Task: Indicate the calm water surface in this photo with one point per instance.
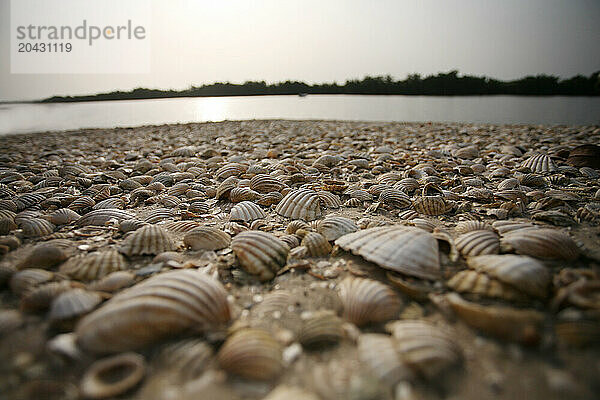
(21, 118)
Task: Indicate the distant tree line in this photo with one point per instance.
(442, 84)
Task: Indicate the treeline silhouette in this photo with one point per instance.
(442, 84)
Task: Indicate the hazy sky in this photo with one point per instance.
(198, 42)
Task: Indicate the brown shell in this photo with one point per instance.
(88, 267)
(366, 301)
(316, 244)
(432, 205)
(231, 169)
(321, 329)
(469, 226)
(269, 199)
(73, 303)
(164, 305)
(541, 243)
(251, 353)
(113, 376)
(22, 282)
(377, 352)
(296, 225)
(101, 217)
(7, 225)
(113, 282)
(481, 284)
(188, 357)
(240, 194)
(476, 243)
(329, 200)
(63, 216)
(335, 227)
(260, 253)
(47, 254)
(206, 238)
(150, 239)
(40, 298)
(300, 204)
(540, 163)
(181, 226)
(246, 211)
(36, 227)
(587, 155)
(263, 183)
(394, 198)
(411, 251)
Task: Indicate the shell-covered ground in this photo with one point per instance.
(301, 259)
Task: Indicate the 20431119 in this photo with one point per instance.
(44, 47)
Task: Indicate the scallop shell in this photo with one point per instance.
(47, 255)
(88, 267)
(300, 204)
(427, 349)
(246, 211)
(241, 194)
(101, 217)
(113, 376)
(22, 282)
(296, 225)
(411, 251)
(150, 239)
(82, 203)
(269, 199)
(72, 304)
(181, 226)
(476, 243)
(366, 301)
(469, 226)
(206, 238)
(166, 304)
(63, 216)
(316, 244)
(263, 183)
(540, 163)
(335, 227)
(329, 200)
(523, 273)
(129, 225)
(199, 207)
(159, 214)
(481, 284)
(231, 169)
(394, 198)
(541, 243)
(36, 227)
(378, 354)
(321, 329)
(432, 205)
(226, 187)
(260, 253)
(507, 323)
(587, 155)
(251, 353)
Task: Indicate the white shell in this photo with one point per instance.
(300, 204)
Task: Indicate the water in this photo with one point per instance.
(20, 118)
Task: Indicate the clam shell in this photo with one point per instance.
(164, 305)
(541, 243)
(424, 347)
(469, 226)
(22, 282)
(159, 214)
(251, 353)
(231, 169)
(241, 194)
(300, 204)
(36, 227)
(181, 226)
(47, 255)
(246, 211)
(73, 303)
(411, 251)
(587, 155)
(269, 199)
(63, 216)
(113, 282)
(260, 253)
(523, 273)
(394, 198)
(113, 376)
(316, 244)
(476, 243)
(88, 267)
(226, 187)
(295, 225)
(335, 227)
(366, 301)
(82, 203)
(432, 205)
(506, 323)
(150, 239)
(481, 284)
(101, 217)
(7, 225)
(329, 200)
(206, 238)
(263, 183)
(378, 354)
(40, 298)
(540, 163)
(189, 358)
(321, 329)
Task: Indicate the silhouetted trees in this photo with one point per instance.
(442, 84)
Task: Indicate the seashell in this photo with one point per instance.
(113, 282)
(150, 239)
(300, 204)
(541, 243)
(587, 155)
(588, 213)
(164, 305)
(523, 273)
(329, 200)
(198, 207)
(22, 282)
(533, 180)
(113, 376)
(10, 320)
(506, 323)
(36, 227)
(509, 183)
(7, 225)
(334, 185)
(159, 214)
(102, 217)
(469, 226)
(481, 284)
(225, 187)
(366, 301)
(291, 240)
(129, 225)
(269, 199)
(27, 200)
(505, 227)
(316, 244)
(408, 214)
(252, 354)
(110, 203)
(427, 349)
(411, 251)
(321, 329)
(63, 216)
(539, 163)
(432, 205)
(263, 183)
(178, 189)
(231, 169)
(181, 226)
(82, 203)
(296, 225)
(129, 185)
(189, 357)
(335, 227)
(581, 293)
(206, 238)
(240, 194)
(360, 195)
(246, 211)
(328, 160)
(39, 298)
(48, 254)
(378, 354)
(407, 185)
(394, 198)
(421, 223)
(88, 267)
(73, 304)
(476, 243)
(260, 253)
